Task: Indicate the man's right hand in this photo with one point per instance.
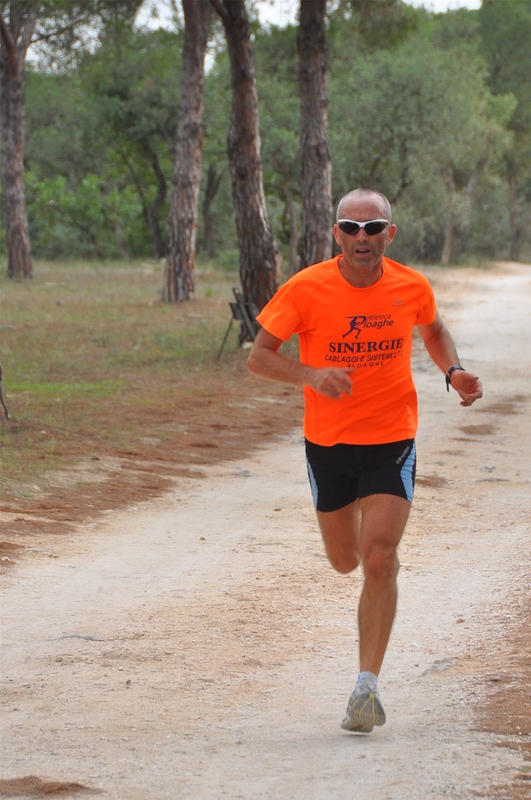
(330, 381)
(266, 361)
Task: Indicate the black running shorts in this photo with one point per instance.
(342, 473)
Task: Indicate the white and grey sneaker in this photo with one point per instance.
(364, 709)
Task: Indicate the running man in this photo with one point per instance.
(354, 316)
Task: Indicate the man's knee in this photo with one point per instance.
(343, 562)
(380, 561)
(340, 531)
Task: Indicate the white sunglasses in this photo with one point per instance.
(371, 227)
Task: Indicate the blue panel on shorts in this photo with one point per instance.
(406, 473)
(313, 483)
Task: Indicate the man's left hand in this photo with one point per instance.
(467, 385)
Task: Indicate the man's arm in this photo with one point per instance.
(440, 345)
(267, 362)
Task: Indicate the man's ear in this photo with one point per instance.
(391, 233)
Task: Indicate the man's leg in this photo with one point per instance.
(384, 518)
(374, 542)
(341, 536)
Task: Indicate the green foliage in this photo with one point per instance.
(88, 221)
(217, 94)
(432, 109)
(135, 88)
(505, 27)
(371, 24)
(454, 30)
(279, 109)
(418, 126)
(66, 28)
(57, 127)
(100, 147)
(228, 261)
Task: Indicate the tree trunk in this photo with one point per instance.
(259, 257)
(153, 212)
(471, 189)
(3, 401)
(516, 231)
(293, 264)
(446, 256)
(316, 167)
(141, 194)
(213, 179)
(15, 40)
(179, 282)
(120, 242)
(465, 218)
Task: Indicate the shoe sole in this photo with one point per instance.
(364, 716)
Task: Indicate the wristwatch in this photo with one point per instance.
(449, 375)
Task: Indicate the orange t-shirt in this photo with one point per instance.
(369, 330)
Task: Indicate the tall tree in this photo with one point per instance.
(259, 258)
(132, 82)
(505, 28)
(216, 226)
(58, 20)
(179, 273)
(316, 165)
(15, 33)
(277, 65)
(432, 134)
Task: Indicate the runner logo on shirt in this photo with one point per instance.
(358, 322)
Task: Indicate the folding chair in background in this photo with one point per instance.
(245, 313)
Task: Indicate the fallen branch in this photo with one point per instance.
(2, 395)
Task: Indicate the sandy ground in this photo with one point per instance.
(200, 646)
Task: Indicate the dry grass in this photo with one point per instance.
(85, 345)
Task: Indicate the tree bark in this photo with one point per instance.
(471, 189)
(15, 40)
(316, 166)
(179, 284)
(153, 212)
(446, 256)
(213, 179)
(3, 401)
(293, 263)
(516, 231)
(259, 257)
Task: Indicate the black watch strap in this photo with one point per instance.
(449, 375)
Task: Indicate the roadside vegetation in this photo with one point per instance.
(90, 353)
(432, 109)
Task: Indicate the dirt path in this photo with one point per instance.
(201, 647)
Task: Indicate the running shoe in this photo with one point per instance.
(364, 709)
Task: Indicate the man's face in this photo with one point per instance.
(364, 253)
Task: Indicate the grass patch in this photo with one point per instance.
(86, 346)
(66, 390)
